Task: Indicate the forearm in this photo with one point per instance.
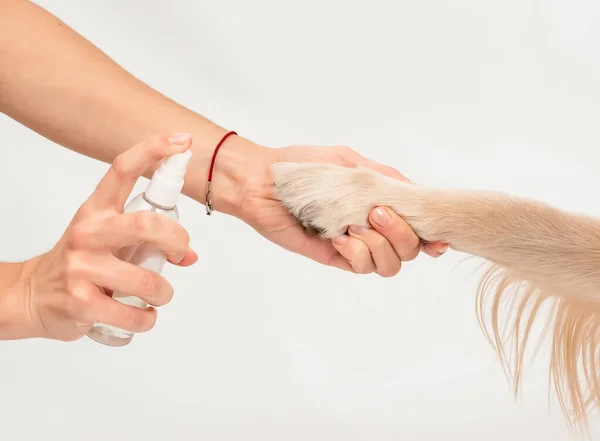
(14, 322)
(60, 85)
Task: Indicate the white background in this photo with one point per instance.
(264, 345)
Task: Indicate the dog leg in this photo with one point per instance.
(538, 254)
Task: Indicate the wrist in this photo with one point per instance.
(15, 316)
(238, 164)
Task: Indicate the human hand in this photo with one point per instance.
(67, 290)
(380, 249)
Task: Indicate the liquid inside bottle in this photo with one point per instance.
(142, 255)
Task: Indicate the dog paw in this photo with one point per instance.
(328, 198)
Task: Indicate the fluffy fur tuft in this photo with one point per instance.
(540, 257)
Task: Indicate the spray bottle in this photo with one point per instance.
(161, 197)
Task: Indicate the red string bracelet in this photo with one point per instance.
(209, 208)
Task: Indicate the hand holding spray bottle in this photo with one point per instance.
(161, 197)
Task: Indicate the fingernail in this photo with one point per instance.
(356, 229)
(443, 249)
(179, 138)
(381, 217)
(340, 240)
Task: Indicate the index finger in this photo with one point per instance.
(117, 184)
(385, 170)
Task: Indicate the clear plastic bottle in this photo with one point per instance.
(160, 197)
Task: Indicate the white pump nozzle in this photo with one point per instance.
(166, 183)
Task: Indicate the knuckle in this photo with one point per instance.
(121, 165)
(70, 337)
(84, 211)
(185, 236)
(389, 272)
(159, 144)
(157, 147)
(163, 293)
(149, 321)
(344, 152)
(362, 263)
(145, 221)
(166, 295)
(376, 240)
(139, 320)
(362, 269)
(414, 242)
(84, 299)
(402, 230)
(149, 284)
(78, 236)
(182, 242)
(412, 253)
(75, 266)
(80, 302)
(133, 318)
(343, 149)
(178, 237)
